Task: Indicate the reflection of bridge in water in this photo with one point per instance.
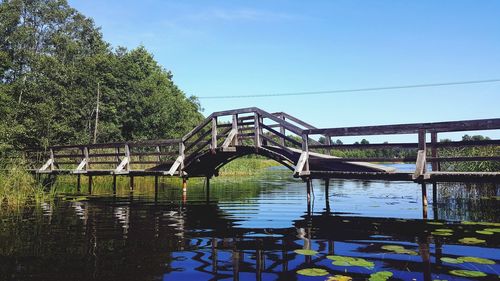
(228, 135)
(123, 235)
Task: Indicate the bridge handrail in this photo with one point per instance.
(412, 128)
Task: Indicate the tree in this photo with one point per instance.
(51, 60)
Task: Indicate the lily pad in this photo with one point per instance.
(444, 230)
(350, 261)
(497, 230)
(441, 233)
(476, 260)
(467, 273)
(451, 260)
(339, 278)
(306, 252)
(471, 240)
(399, 250)
(435, 223)
(312, 272)
(485, 232)
(380, 276)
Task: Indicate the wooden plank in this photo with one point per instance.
(407, 145)
(463, 159)
(296, 120)
(434, 150)
(301, 163)
(176, 166)
(213, 145)
(281, 136)
(235, 128)
(257, 140)
(453, 126)
(420, 165)
(229, 139)
(288, 126)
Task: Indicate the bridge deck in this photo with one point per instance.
(286, 139)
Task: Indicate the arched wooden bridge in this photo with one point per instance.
(227, 135)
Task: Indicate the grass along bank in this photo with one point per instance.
(247, 166)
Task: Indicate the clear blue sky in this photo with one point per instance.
(259, 47)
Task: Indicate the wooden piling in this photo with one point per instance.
(131, 183)
(78, 183)
(156, 186)
(424, 201)
(114, 184)
(90, 184)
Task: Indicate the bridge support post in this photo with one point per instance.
(114, 184)
(424, 200)
(184, 190)
(156, 187)
(78, 183)
(207, 191)
(327, 197)
(90, 184)
(309, 188)
(131, 183)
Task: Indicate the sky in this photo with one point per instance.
(233, 48)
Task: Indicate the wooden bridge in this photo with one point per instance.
(227, 135)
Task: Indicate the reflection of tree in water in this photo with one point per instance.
(468, 201)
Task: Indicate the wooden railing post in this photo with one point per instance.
(420, 168)
(282, 130)
(158, 150)
(86, 156)
(182, 148)
(235, 128)
(305, 148)
(434, 152)
(257, 130)
(52, 159)
(127, 155)
(213, 146)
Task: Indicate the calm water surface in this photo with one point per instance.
(251, 229)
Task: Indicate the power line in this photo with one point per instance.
(353, 90)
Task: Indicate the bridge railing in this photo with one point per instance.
(119, 157)
(424, 151)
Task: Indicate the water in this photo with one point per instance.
(250, 228)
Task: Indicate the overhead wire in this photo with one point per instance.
(428, 85)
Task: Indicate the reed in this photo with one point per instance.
(18, 188)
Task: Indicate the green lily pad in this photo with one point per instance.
(306, 252)
(341, 263)
(497, 230)
(380, 276)
(441, 233)
(339, 278)
(312, 272)
(340, 258)
(467, 273)
(435, 223)
(476, 260)
(444, 230)
(399, 250)
(350, 261)
(451, 260)
(471, 240)
(485, 232)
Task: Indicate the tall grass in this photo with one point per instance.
(18, 188)
(246, 166)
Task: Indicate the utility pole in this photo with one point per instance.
(96, 113)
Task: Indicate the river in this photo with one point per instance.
(258, 228)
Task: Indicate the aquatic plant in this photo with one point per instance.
(380, 276)
(467, 273)
(312, 272)
(306, 252)
(350, 261)
(471, 240)
(399, 250)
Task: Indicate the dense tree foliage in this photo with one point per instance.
(52, 59)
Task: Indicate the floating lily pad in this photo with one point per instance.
(350, 261)
(435, 223)
(476, 260)
(467, 273)
(497, 230)
(312, 272)
(451, 260)
(306, 252)
(484, 232)
(339, 278)
(441, 233)
(340, 258)
(444, 230)
(399, 250)
(380, 276)
(471, 240)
